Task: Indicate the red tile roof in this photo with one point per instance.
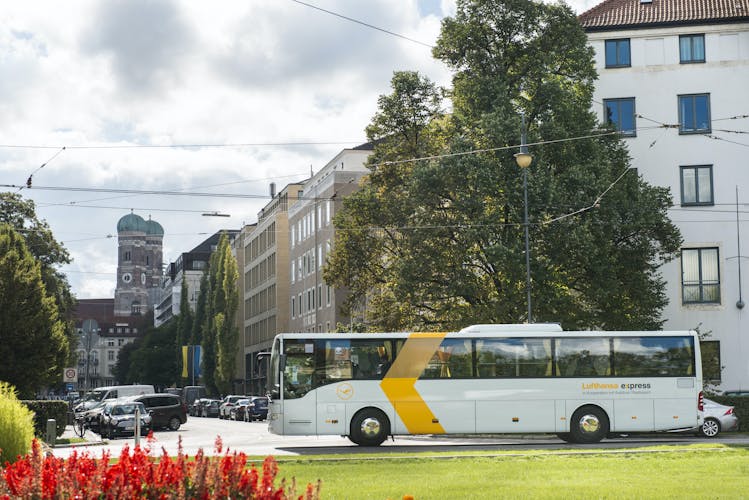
(635, 14)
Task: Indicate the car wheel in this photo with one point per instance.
(710, 428)
(174, 423)
(369, 427)
(589, 425)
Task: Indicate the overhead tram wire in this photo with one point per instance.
(336, 14)
(185, 146)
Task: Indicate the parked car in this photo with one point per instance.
(227, 404)
(257, 409)
(118, 419)
(191, 393)
(239, 409)
(167, 410)
(209, 407)
(742, 394)
(92, 416)
(194, 409)
(717, 418)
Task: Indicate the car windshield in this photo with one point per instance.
(243, 402)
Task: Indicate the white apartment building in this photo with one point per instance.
(674, 79)
(314, 306)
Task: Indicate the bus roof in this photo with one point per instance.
(489, 331)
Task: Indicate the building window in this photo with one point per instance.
(700, 276)
(126, 256)
(617, 53)
(293, 271)
(299, 301)
(694, 113)
(691, 49)
(621, 114)
(710, 350)
(327, 292)
(110, 355)
(319, 296)
(697, 185)
(293, 236)
(293, 307)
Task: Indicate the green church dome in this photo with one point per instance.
(133, 223)
(154, 228)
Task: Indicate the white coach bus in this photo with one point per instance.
(484, 379)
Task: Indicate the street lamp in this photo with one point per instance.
(524, 160)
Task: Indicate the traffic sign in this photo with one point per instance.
(70, 375)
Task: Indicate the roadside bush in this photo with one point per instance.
(16, 425)
(138, 475)
(43, 411)
(740, 408)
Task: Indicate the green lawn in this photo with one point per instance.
(695, 471)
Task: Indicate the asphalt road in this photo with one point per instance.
(253, 438)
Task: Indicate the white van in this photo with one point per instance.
(99, 394)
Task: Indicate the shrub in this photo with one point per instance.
(43, 411)
(16, 425)
(138, 475)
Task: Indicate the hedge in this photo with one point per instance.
(44, 410)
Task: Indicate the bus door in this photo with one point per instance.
(299, 400)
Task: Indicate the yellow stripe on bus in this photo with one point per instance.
(399, 383)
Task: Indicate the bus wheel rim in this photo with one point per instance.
(371, 427)
(590, 424)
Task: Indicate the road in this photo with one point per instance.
(253, 438)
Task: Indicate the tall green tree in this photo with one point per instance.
(208, 329)
(454, 253)
(33, 345)
(21, 215)
(184, 327)
(227, 333)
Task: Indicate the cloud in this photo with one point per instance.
(144, 41)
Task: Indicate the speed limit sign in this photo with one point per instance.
(70, 375)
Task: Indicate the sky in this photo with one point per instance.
(217, 98)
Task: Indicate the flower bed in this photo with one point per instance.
(141, 475)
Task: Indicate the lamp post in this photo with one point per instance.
(524, 160)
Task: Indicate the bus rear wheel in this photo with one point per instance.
(369, 427)
(589, 425)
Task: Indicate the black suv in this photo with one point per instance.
(167, 410)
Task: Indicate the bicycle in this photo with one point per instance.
(80, 425)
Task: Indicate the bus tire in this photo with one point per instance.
(565, 436)
(369, 427)
(589, 424)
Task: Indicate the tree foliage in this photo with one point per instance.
(21, 215)
(218, 304)
(33, 345)
(439, 243)
(150, 359)
(227, 333)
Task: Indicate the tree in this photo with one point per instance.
(152, 360)
(449, 248)
(227, 333)
(21, 215)
(33, 345)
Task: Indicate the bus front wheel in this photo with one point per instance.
(589, 425)
(369, 427)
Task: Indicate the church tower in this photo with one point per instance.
(139, 263)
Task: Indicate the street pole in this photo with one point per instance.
(524, 159)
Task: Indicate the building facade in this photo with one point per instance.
(673, 78)
(265, 283)
(314, 306)
(101, 335)
(139, 260)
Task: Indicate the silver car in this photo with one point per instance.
(717, 418)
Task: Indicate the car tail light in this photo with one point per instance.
(701, 402)
(729, 410)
